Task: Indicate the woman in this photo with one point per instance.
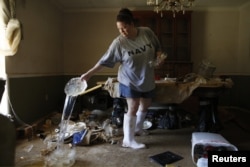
(135, 49)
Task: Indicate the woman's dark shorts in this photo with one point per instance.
(127, 92)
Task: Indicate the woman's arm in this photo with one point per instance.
(86, 76)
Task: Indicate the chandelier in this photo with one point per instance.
(170, 5)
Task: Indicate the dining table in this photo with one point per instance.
(173, 91)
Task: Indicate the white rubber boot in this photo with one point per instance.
(140, 118)
(129, 133)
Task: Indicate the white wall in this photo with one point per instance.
(87, 36)
(217, 35)
(244, 40)
(71, 43)
(215, 38)
(222, 36)
(40, 51)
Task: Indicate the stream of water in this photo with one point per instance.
(63, 156)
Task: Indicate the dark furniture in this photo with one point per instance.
(174, 34)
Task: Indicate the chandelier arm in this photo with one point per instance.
(171, 5)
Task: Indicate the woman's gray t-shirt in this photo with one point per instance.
(134, 56)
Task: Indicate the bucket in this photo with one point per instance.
(205, 141)
(202, 162)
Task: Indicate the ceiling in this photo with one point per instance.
(71, 5)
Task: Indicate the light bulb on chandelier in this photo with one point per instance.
(170, 5)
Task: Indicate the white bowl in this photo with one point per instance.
(75, 87)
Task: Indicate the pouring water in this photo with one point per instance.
(63, 155)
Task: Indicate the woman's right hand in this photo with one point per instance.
(85, 77)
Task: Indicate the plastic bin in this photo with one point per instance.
(205, 141)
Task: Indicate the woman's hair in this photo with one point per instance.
(125, 16)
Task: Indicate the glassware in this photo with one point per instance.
(75, 87)
(158, 61)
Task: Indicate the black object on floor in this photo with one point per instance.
(166, 158)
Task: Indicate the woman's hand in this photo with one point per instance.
(85, 77)
(160, 58)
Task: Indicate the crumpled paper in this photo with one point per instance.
(169, 91)
(112, 86)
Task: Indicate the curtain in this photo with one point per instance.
(10, 28)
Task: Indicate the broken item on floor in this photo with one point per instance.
(83, 134)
